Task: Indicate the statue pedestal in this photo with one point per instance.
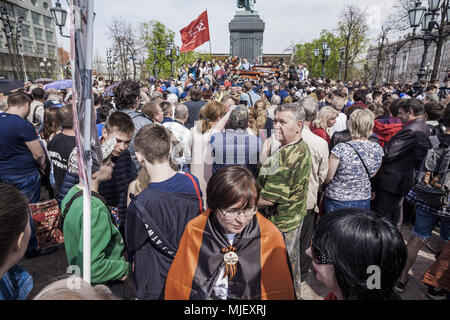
(246, 35)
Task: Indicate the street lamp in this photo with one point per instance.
(155, 58)
(420, 16)
(342, 52)
(169, 55)
(60, 17)
(326, 52)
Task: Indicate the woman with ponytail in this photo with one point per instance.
(260, 123)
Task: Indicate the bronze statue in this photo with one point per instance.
(249, 5)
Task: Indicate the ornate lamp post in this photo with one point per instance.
(169, 55)
(46, 66)
(419, 16)
(60, 17)
(341, 61)
(326, 52)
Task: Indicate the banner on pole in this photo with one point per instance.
(196, 33)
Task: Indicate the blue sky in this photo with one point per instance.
(287, 21)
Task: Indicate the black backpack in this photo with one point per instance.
(433, 179)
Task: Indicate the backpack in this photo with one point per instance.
(433, 180)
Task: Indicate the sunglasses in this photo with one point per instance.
(319, 258)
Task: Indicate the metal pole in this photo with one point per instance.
(422, 72)
(87, 142)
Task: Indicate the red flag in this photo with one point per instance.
(196, 33)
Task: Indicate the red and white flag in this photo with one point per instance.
(196, 33)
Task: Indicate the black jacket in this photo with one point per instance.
(345, 136)
(155, 223)
(403, 155)
(194, 110)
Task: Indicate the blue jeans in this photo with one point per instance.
(334, 205)
(427, 222)
(30, 186)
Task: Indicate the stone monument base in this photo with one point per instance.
(246, 35)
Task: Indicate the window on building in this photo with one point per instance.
(9, 9)
(34, 2)
(40, 48)
(51, 50)
(38, 34)
(36, 18)
(49, 35)
(26, 31)
(27, 46)
(48, 22)
(21, 12)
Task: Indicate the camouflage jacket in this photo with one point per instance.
(284, 180)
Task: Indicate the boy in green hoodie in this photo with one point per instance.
(108, 264)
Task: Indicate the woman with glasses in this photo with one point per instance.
(231, 252)
(357, 255)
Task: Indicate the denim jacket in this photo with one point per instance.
(16, 284)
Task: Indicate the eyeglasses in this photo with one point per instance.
(233, 214)
(319, 257)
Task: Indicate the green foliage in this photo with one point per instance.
(304, 53)
(155, 34)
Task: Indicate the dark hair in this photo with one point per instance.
(120, 121)
(166, 108)
(207, 94)
(446, 116)
(126, 93)
(414, 105)
(360, 95)
(65, 117)
(38, 93)
(13, 218)
(376, 94)
(153, 142)
(18, 100)
(393, 108)
(232, 185)
(355, 240)
(104, 111)
(51, 123)
(434, 110)
(195, 94)
(97, 100)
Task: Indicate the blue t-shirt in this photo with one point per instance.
(15, 157)
(179, 183)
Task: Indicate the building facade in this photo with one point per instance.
(404, 66)
(32, 52)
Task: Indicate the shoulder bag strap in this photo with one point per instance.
(360, 158)
(69, 204)
(197, 190)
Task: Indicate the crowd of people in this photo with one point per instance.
(212, 186)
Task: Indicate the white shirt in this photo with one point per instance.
(341, 123)
(182, 134)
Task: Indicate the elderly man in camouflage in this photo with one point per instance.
(284, 181)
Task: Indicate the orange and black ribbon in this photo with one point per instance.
(230, 270)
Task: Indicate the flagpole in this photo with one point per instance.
(87, 84)
(210, 48)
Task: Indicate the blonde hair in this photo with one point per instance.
(210, 114)
(361, 124)
(324, 115)
(60, 290)
(258, 116)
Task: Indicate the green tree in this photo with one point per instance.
(155, 34)
(304, 53)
